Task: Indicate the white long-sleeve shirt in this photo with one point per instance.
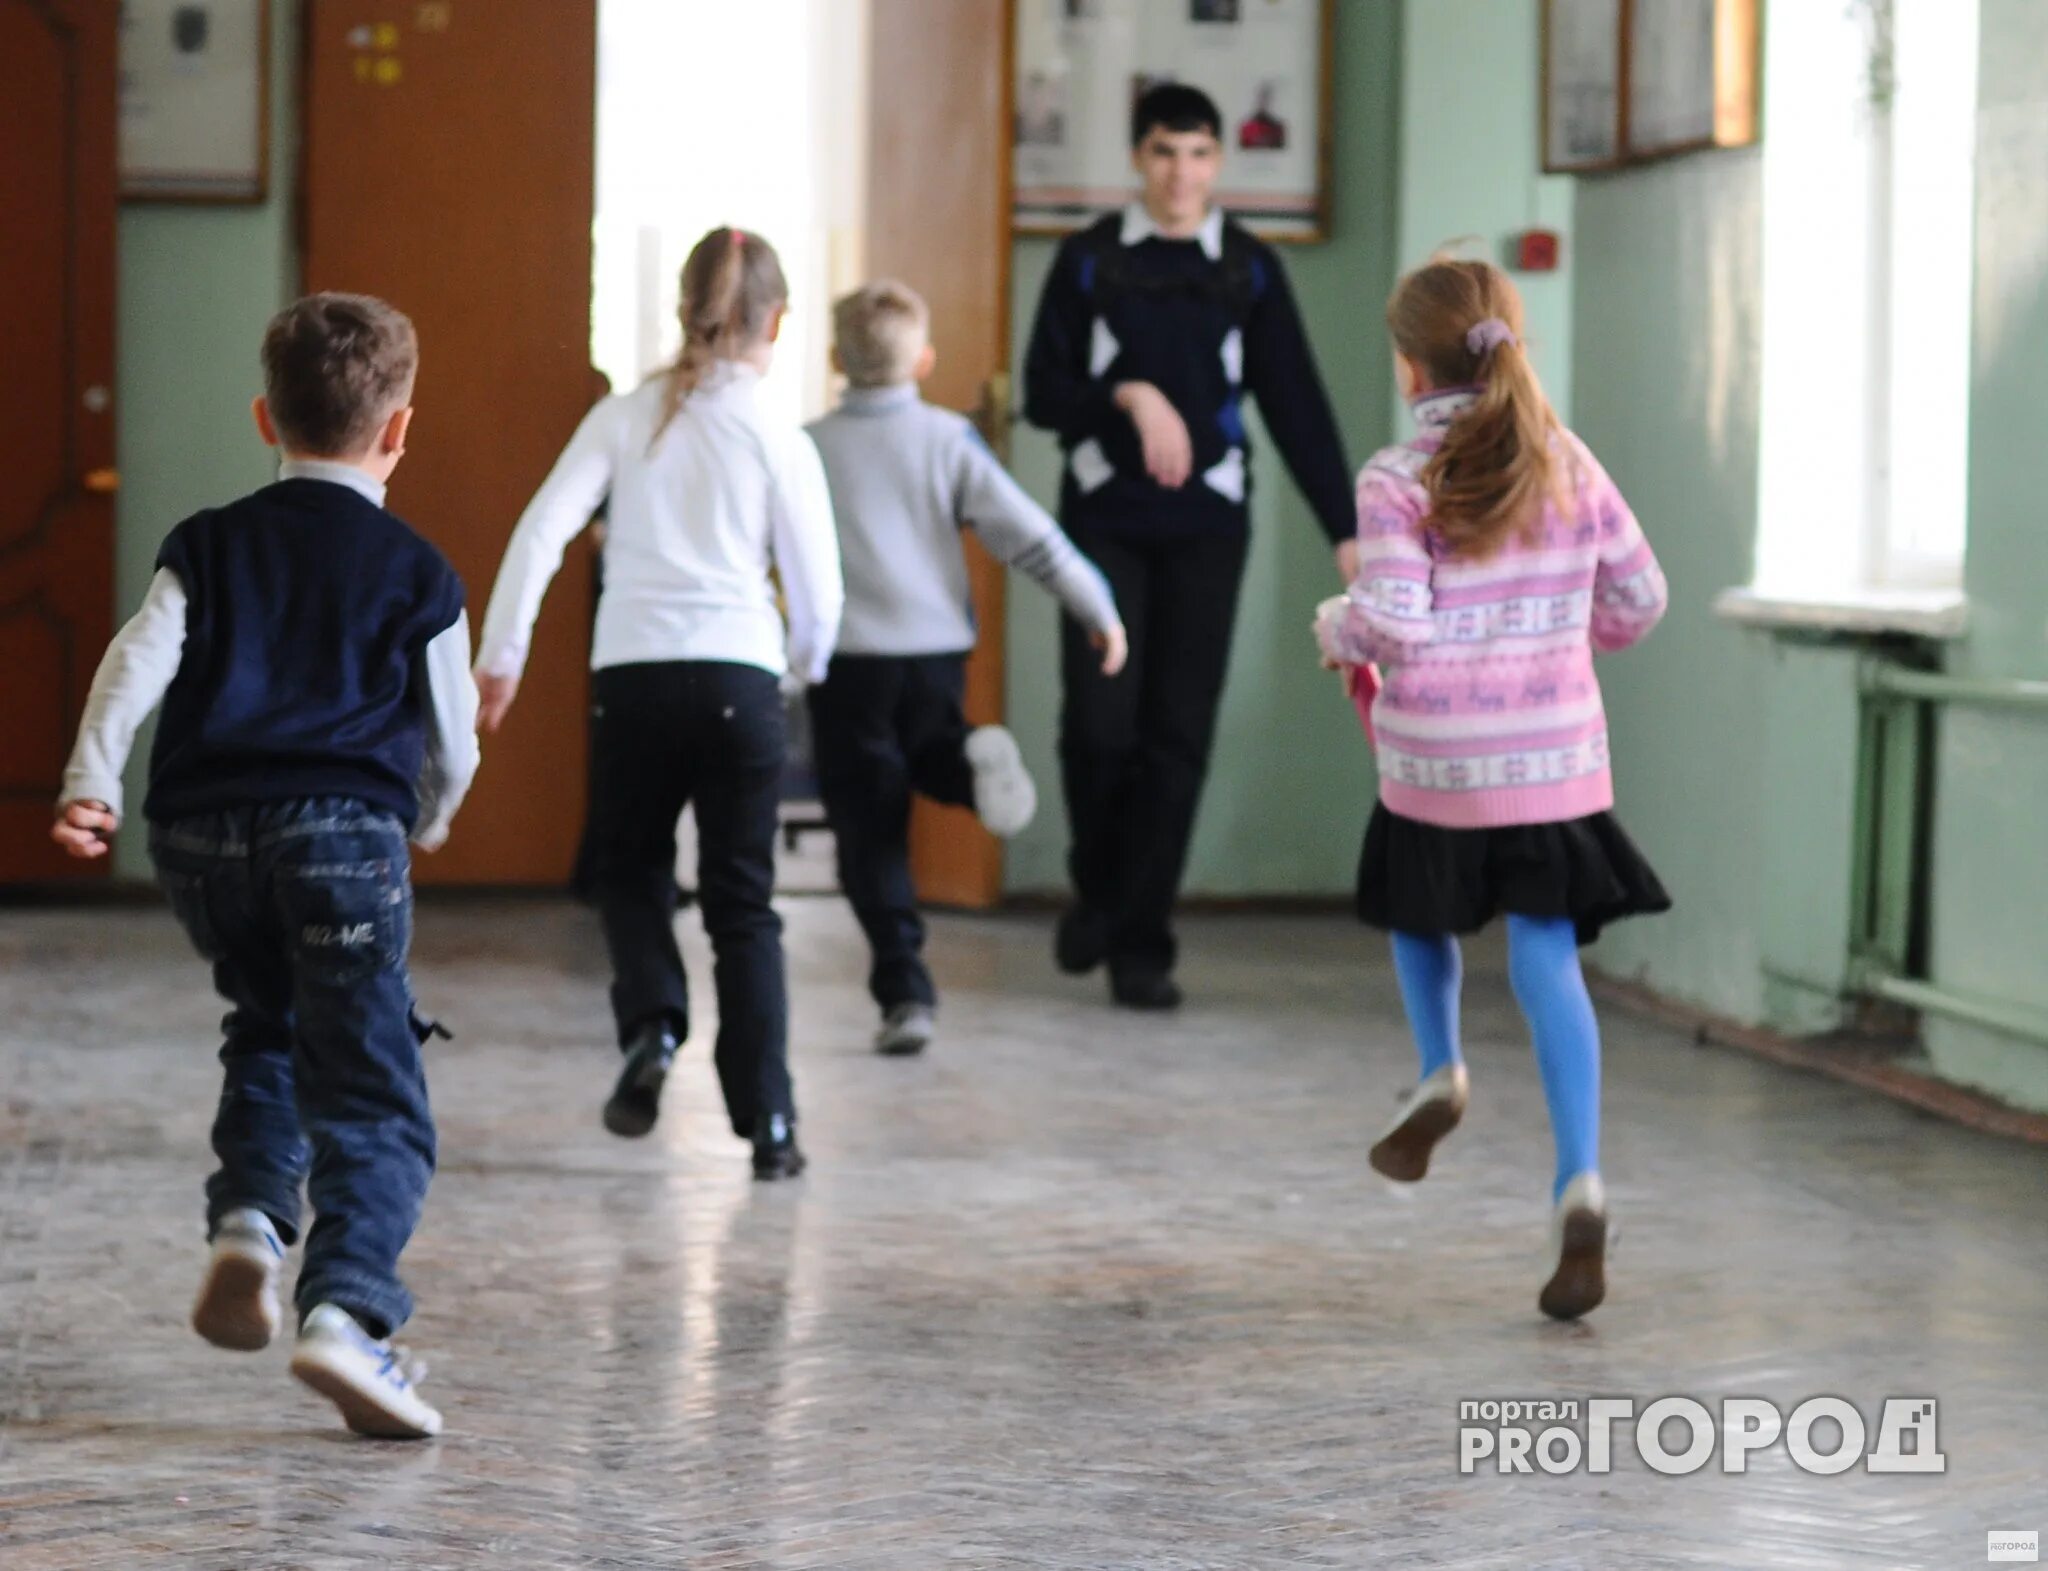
(140, 663)
(696, 516)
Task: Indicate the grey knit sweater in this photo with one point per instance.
(906, 478)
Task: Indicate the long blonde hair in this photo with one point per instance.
(732, 288)
(1460, 323)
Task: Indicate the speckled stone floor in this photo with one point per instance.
(1077, 1290)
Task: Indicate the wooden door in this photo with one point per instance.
(449, 168)
(57, 482)
(939, 219)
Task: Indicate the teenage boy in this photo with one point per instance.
(1155, 325)
(312, 659)
(907, 479)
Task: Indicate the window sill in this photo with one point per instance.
(1917, 613)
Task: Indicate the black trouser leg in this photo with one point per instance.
(1099, 726)
(638, 788)
(737, 746)
(1194, 610)
(883, 726)
(934, 728)
(1135, 748)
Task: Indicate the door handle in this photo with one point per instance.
(102, 482)
(994, 416)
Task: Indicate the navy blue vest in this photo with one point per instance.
(308, 609)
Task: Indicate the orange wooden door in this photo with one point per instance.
(449, 167)
(57, 194)
(939, 218)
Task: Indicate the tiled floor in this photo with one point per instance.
(1078, 1290)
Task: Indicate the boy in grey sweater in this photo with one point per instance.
(906, 478)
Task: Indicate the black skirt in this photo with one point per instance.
(1420, 878)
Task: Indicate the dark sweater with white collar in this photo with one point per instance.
(309, 609)
(1206, 320)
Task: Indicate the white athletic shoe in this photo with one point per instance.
(237, 1306)
(372, 1382)
(1432, 1111)
(1004, 795)
(1578, 1250)
(907, 1029)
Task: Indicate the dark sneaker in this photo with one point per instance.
(775, 1150)
(1081, 942)
(1143, 987)
(636, 1100)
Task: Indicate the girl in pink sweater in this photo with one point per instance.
(1495, 558)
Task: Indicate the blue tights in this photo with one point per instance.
(1543, 968)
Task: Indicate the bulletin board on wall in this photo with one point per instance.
(1081, 64)
(195, 100)
(1627, 81)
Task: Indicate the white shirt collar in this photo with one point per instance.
(1140, 226)
(334, 474)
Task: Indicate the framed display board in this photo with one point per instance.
(1629, 80)
(195, 100)
(1080, 65)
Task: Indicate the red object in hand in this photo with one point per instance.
(1537, 251)
(1362, 682)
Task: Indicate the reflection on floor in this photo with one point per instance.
(1076, 1290)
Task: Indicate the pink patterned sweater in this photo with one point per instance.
(1491, 714)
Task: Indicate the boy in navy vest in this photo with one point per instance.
(312, 659)
(1155, 324)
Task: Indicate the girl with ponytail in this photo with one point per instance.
(707, 494)
(1495, 558)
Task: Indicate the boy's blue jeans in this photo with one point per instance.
(305, 911)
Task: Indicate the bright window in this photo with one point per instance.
(1869, 126)
(713, 113)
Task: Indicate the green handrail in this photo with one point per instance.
(1891, 821)
(1935, 688)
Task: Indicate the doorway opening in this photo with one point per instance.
(710, 113)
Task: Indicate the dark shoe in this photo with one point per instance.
(636, 1100)
(907, 1030)
(775, 1150)
(1081, 942)
(1143, 987)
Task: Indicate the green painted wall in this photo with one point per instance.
(1471, 160)
(1991, 836)
(1666, 321)
(1292, 782)
(197, 284)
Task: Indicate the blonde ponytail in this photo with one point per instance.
(1460, 324)
(732, 289)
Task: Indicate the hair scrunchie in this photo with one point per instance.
(1486, 336)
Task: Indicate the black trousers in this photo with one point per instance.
(711, 734)
(885, 726)
(1134, 749)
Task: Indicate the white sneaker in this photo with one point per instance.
(1004, 795)
(1432, 1111)
(907, 1029)
(237, 1306)
(372, 1382)
(1578, 1250)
